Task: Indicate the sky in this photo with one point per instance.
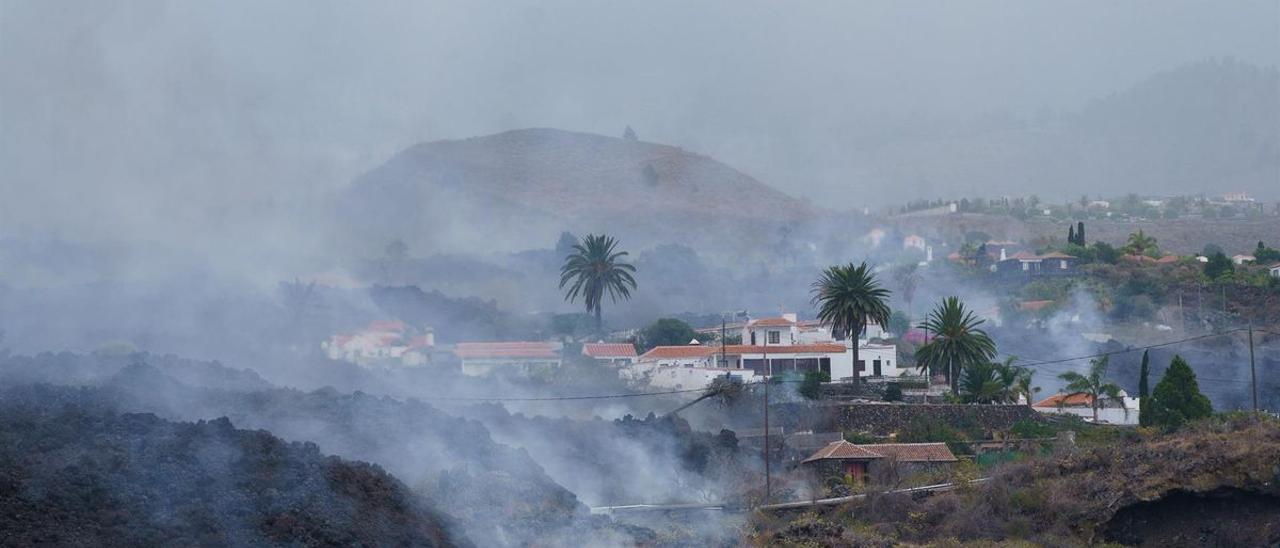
(225, 121)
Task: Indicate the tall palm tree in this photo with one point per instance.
(594, 267)
(983, 382)
(849, 297)
(957, 341)
(1140, 243)
(1094, 384)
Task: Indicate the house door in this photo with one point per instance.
(875, 368)
(825, 365)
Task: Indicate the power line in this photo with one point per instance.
(1133, 349)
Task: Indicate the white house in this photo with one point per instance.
(388, 343)
(1274, 270)
(1241, 259)
(616, 354)
(914, 241)
(1122, 410)
(483, 358)
(770, 346)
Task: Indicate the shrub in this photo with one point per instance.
(893, 392)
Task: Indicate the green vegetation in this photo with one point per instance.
(893, 392)
(811, 386)
(594, 267)
(957, 341)
(1094, 384)
(987, 382)
(848, 297)
(666, 332)
(1264, 255)
(1219, 266)
(1141, 244)
(1177, 398)
(1144, 392)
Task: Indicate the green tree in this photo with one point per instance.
(1140, 243)
(1106, 253)
(593, 268)
(1144, 396)
(1265, 255)
(957, 341)
(1218, 266)
(849, 297)
(1071, 234)
(811, 386)
(665, 332)
(1080, 241)
(982, 383)
(893, 392)
(1177, 398)
(1094, 384)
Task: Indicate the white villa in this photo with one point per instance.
(770, 346)
(387, 343)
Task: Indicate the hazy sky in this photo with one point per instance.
(148, 119)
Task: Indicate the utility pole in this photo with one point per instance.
(1253, 373)
(768, 482)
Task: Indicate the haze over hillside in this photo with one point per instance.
(526, 186)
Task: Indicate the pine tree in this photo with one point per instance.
(1176, 399)
(1144, 397)
(1080, 234)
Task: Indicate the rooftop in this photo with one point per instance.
(523, 349)
(903, 452)
(609, 350)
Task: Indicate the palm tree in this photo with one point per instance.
(849, 297)
(595, 266)
(983, 382)
(957, 341)
(1140, 244)
(1093, 385)
(1022, 385)
(909, 277)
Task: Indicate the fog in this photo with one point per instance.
(207, 123)
(193, 196)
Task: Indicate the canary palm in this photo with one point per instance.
(1094, 384)
(594, 267)
(957, 341)
(849, 297)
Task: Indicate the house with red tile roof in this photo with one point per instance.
(1121, 411)
(522, 357)
(859, 460)
(383, 343)
(617, 354)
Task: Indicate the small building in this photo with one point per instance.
(484, 358)
(615, 354)
(1028, 265)
(383, 343)
(1274, 270)
(1242, 259)
(914, 241)
(858, 461)
(1122, 410)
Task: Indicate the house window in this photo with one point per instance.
(775, 337)
(1026, 266)
(1062, 264)
(862, 365)
(753, 338)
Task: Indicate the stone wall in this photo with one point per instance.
(882, 419)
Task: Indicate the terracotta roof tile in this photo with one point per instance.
(772, 322)
(609, 350)
(1078, 399)
(686, 351)
(904, 452)
(913, 452)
